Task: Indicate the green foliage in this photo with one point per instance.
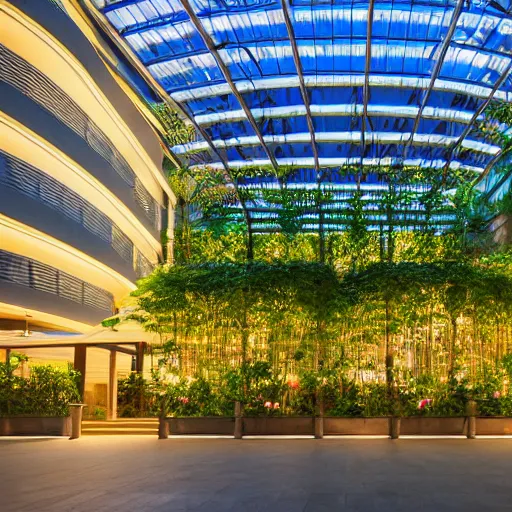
(111, 322)
(247, 328)
(428, 201)
(497, 115)
(136, 397)
(174, 129)
(47, 392)
(270, 393)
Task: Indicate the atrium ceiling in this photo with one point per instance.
(325, 95)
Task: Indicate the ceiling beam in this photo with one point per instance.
(143, 26)
(70, 344)
(489, 168)
(117, 5)
(208, 41)
(298, 66)
(367, 67)
(117, 348)
(437, 69)
(479, 111)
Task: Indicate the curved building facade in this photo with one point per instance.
(83, 199)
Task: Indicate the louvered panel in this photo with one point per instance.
(34, 84)
(21, 176)
(28, 80)
(147, 203)
(95, 297)
(39, 276)
(14, 270)
(97, 223)
(44, 277)
(71, 288)
(122, 244)
(144, 266)
(15, 174)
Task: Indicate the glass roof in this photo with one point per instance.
(315, 86)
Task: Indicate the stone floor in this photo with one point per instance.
(141, 473)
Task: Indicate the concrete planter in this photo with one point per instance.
(29, 426)
(279, 426)
(356, 426)
(204, 425)
(425, 426)
(497, 426)
(300, 425)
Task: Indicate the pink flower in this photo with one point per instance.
(183, 399)
(496, 394)
(293, 383)
(268, 405)
(423, 403)
(276, 405)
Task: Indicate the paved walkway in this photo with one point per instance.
(137, 474)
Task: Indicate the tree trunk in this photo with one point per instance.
(453, 342)
(389, 351)
(321, 234)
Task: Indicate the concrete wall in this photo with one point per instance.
(63, 28)
(47, 39)
(45, 219)
(36, 300)
(39, 120)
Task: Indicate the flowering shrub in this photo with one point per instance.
(193, 397)
(265, 392)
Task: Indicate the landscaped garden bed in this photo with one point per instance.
(39, 404)
(304, 426)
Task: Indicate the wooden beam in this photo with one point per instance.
(80, 365)
(117, 348)
(112, 387)
(139, 361)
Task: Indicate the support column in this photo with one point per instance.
(139, 362)
(79, 364)
(112, 387)
(239, 421)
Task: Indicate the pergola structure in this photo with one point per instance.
(323, 98)
(127, 337)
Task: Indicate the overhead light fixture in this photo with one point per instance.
(26, 332)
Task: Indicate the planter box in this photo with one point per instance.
(27, 426)
(284, 426)
(276, 426)
(493, 426)
(205, 425)
(356, 426)
(418, 426)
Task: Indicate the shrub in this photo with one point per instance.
(47, 392)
